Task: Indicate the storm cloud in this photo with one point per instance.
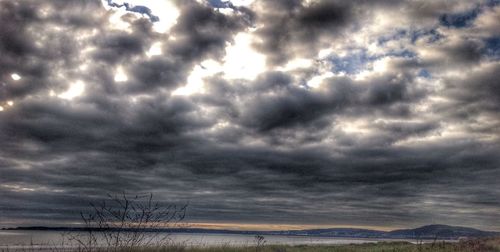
(367, 113)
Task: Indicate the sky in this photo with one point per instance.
(258, 113)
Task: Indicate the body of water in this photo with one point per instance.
(47, 239)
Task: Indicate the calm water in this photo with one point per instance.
(41, 239)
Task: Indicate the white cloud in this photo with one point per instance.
(165, 10)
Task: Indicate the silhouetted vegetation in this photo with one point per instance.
(124, 223)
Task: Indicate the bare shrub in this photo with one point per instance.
(123, 222)
(260, 241)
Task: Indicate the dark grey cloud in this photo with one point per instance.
(291, 27)
(276, 101)
(203, 32)
(34, 52)
(406, 137)
(474, 94)
(199, 33)
(117, 46)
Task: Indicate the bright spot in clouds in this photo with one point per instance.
(378, 67)
(120, 75)
(354, 127)
(242, 2)
(195, 80)
(74, 90)
(8, 103)
(297, 64)
(242, 61)
(316, 81)
(118, 23)
(15, 76)
(155, 50)
(381, 65)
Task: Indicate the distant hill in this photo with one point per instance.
(425, 232)
(441, 232)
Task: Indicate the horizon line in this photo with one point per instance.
(260, 227)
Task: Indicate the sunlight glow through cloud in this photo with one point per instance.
(74, 90)
(316, 81)
(120, 75)
(242, 61)
(15, 76)
(195, 80)
(155, 49)
(242, 2)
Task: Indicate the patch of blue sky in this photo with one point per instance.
(466, 18)
(352, 63)
(460, 19)
(226, 4)
(404, 53)
(398, 35)
(492, 47)
(492, 3)
(143, 10)
(357, 60)
(424, 73)
(431, 35)
(221, 4)
(113, 4)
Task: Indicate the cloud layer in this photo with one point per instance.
(370, 113)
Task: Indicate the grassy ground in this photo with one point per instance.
(479, 245)
(476, 245)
